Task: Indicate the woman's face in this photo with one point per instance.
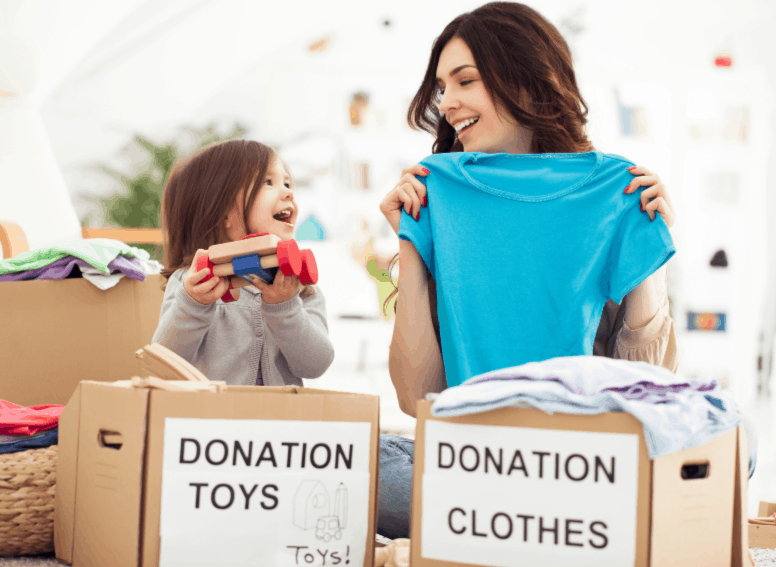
(469, 108)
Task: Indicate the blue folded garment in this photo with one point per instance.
(14, 443)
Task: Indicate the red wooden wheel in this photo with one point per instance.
(309, 273)
(289, 258)
(227, 297)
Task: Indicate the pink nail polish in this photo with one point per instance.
(631, 168)
(425, 201)
(626, 189)
(417, 216)
(426, 171)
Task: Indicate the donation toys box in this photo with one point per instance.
(242, 476)
(56, 333)
(517, 486)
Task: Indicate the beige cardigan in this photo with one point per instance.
(654, 343)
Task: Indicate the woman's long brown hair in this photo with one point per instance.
(525, 65)
(201, 191)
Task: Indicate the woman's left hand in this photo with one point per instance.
(654, 197)
(282, 289)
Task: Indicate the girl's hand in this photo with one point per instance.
(282, 289)
(654, 198)
(409, 194)
(204, 292)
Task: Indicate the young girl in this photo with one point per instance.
(274, 335)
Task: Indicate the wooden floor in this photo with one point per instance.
(762, 558)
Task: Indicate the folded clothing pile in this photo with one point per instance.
(31, 427)
(28, 461)
(677, 413)
(102, 261)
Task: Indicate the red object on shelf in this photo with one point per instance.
(723, 62)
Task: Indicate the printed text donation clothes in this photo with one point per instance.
(677, 413)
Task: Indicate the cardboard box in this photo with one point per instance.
(55, 333)
(760, 535)
(151, 477)
(522, 487)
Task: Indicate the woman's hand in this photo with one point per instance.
(644, 301)
(654, 197)
(409, 194)
(204, 292)
(282, 289)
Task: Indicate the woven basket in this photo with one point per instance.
(27, 483)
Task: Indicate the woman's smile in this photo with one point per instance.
(465, 126)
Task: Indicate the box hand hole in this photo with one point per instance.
(694, 471)
(110, 439)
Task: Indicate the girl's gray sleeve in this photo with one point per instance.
(183, 322)
(302, 335)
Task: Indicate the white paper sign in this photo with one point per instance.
(263, 492)
(510, 496)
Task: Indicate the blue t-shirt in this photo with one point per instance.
(525, 251)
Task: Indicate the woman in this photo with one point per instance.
(499, 80)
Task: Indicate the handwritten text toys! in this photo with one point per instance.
(260, 255)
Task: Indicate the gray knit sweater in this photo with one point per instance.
(248, 339)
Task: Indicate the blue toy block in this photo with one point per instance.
(251, 264)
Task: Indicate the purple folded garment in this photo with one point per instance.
(65, 268)
(58, 270)
(129, 267)
(653, 393)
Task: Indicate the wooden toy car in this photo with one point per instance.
(259, 255)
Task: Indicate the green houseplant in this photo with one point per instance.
(139, 202)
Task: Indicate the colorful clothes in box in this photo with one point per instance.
(677, 413)
(97, 252)
(70, 266)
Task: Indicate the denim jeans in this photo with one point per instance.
(395, 492)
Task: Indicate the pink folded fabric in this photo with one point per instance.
(20, 420)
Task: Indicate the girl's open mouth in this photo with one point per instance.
(283, 216)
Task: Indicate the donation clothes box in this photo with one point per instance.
(248, 476)
(517, 486)
(55, 333)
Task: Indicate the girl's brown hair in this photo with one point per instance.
(201, 191)
(525, 65)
